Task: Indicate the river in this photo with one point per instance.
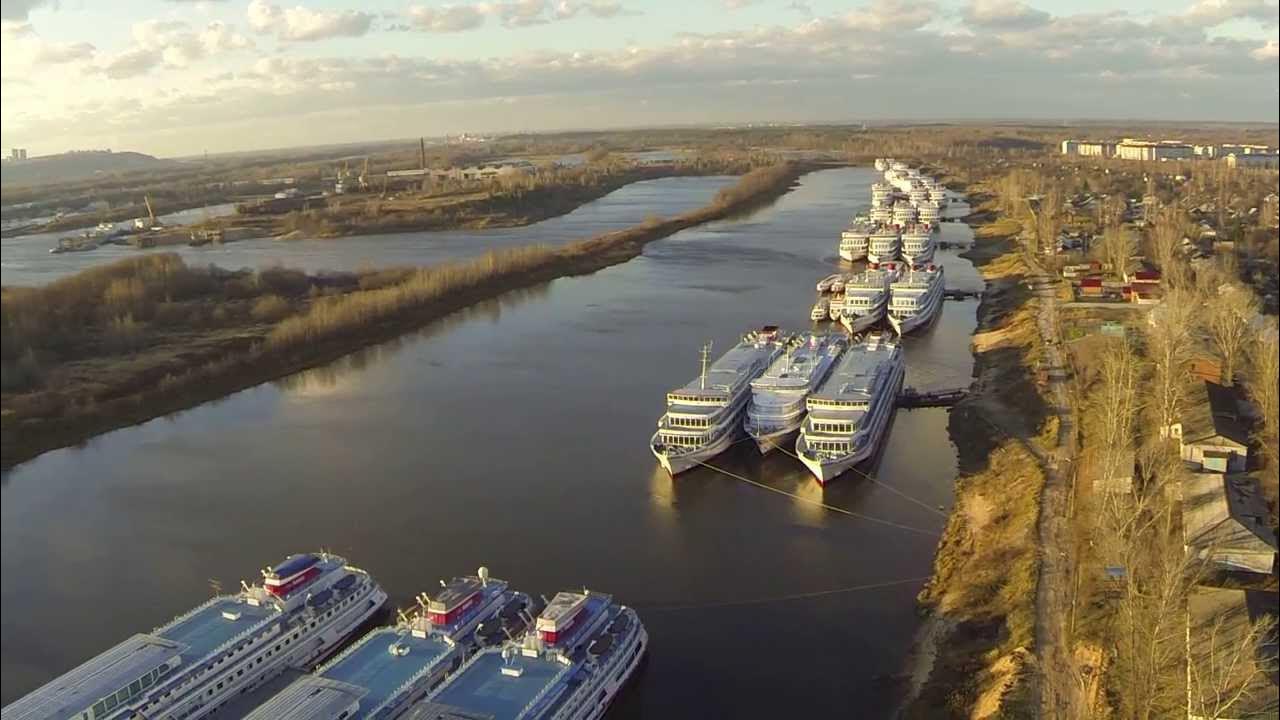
(514, 435)
(27, 261)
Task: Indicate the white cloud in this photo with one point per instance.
(1210, 13)
(302, 24)
(1003, 14)
(1268, 52)
(892, 16)
(172, 44)
(448, 18)
(508, 13)
(23, 48)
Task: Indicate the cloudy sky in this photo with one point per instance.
(174, 77)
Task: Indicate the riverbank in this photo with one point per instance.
(974, 654)
(183, 366)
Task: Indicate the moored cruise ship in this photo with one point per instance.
(904, 213)
(571, 666)
(929, 212)
(916, 298)
(853, 242)
(866, 298)
(850, 411)
(918, 245)
(881, 215)
(704, 417)
(777, 400)
(394, 667)
(881, 194)
(304, 608)
(883, 245)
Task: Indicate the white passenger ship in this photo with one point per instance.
(393, 667)
(866, 298)
(904, 213)
(916, 298)
(850, 411)
(777, 401)
(704, 417)
(582, 650)
(918, 245)
(853, 242)
(304, 608)
(884, 245)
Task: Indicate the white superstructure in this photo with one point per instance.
(704, 417)
(866, 298)
(853, 241)
(848, 414)
(918, 245)
(188, 668)
(777, 400)
(916, 298)
(883, 245)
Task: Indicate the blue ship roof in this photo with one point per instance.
(206, 628)
(295, 564)
(483, 688)
(372, 666)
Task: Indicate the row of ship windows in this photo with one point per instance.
(683, 440)
(855, 404)
(690, 422)
(132, 690)
(826, 446)
(834, 427)
(244, 646)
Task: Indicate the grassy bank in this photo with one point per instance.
(978, 640)
(123, 343)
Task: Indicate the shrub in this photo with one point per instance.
(270, 309)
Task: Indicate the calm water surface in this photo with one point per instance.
(515, 435)
(26, 259)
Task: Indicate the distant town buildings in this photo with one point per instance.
(17, 154)
(1240, 155)
(1254, 160)
(488, 171)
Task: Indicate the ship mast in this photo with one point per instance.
(706, 355)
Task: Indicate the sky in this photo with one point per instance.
(182, 77)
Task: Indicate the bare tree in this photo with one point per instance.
(1117, 401)
(1049, 216)
(1166, 245)
(1229, 314)
(1169, 343)
(1260, 382)
(1116, 249)
(1227, 663)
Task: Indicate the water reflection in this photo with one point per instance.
(515, 435)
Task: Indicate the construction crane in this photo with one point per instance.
(150, 222)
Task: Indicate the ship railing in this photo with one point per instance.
(405, 687)
(552, 684)
(192, 612)
(355, 647)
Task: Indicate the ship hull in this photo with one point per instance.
(857, 323)
(675, 464)
(825, 470)
(852, 255)
(767, 442)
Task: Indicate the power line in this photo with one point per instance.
(819, 503)
(779, 598)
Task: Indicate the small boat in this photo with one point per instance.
(824, 285)
(820, 309)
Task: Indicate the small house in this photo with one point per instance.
(1224, 523)
(1211, 435)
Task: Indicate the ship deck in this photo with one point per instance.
(483, 688)
(370, 665)
(205, 629)
(855, 376)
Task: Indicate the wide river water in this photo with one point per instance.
(27, 260)
(515, 435)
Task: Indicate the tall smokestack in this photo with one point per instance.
(422, 153)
